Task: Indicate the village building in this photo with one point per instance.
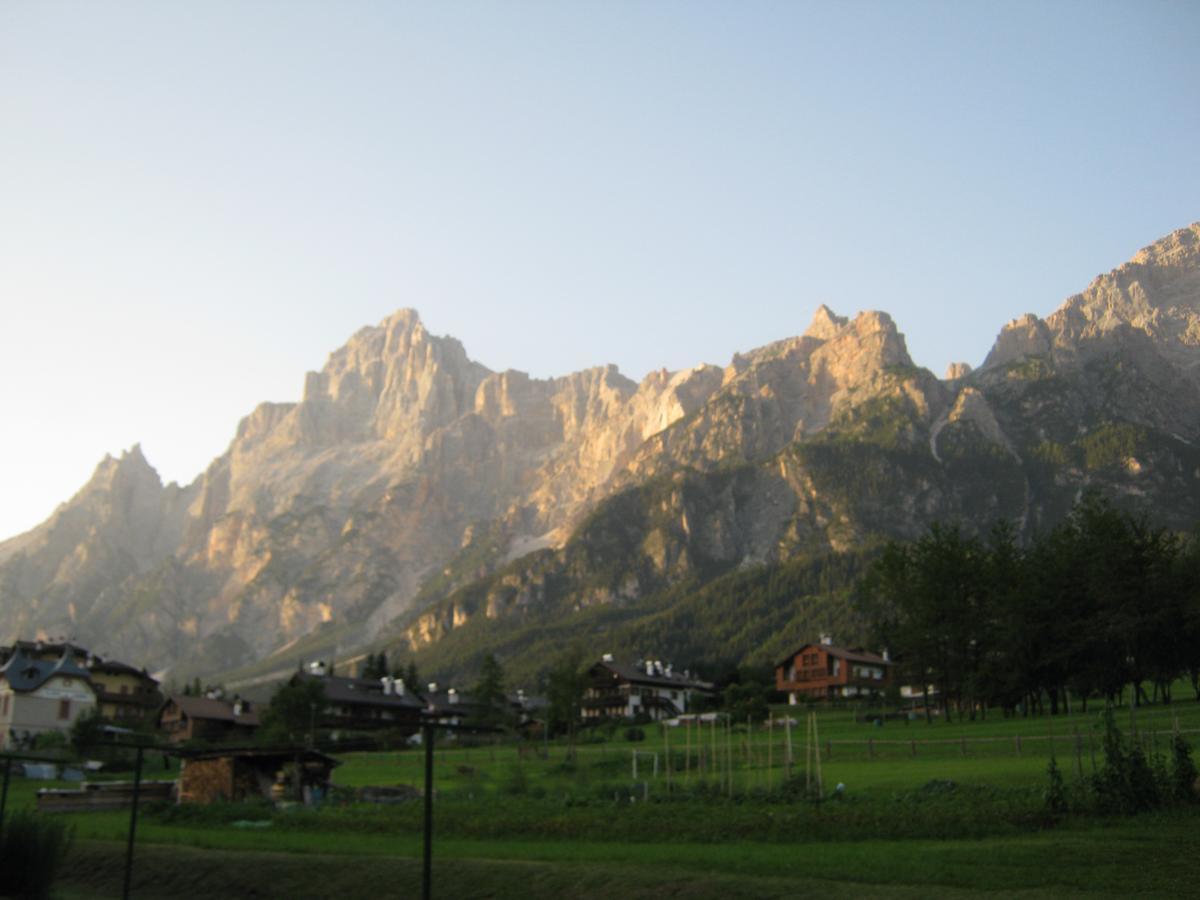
(40, 695)
(246, 774)
(450, 706)
(364, 704)
(823, 671)
(210, 718)
(647, 688)
(125, 695)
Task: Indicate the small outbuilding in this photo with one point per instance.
(214, 776)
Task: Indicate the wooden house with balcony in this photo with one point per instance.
(125, 695)
(823, 671)
(647, 688)
(211, 719)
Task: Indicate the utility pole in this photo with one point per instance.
(427, 861)
(133, 811)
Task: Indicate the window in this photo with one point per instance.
(64, 709)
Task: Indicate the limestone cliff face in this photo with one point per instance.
(790, 390)
(413, 491)
(118, 527)
(1130, 341)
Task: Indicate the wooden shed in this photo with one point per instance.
(233, 775)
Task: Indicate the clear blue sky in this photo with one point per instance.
(199, 201)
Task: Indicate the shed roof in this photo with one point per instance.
(264, 754)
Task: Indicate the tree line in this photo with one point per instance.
(1103, 604)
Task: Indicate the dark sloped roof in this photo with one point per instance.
(638, 675)
(266, 754)
(213, 709)
(363, 692)
(25, 674)
(463, 704)
(82, 656)
(850, 654)
(113, 667)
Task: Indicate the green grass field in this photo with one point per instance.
(555, 821)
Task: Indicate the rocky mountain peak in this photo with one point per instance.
(825, 324)
(1155, 295)
(869, 343)
(1022, 337)
(957, 370)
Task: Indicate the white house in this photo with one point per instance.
(40, 695)
(621, 691)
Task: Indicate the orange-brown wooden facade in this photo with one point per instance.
(822, 671)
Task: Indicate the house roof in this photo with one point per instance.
(213, 709)
(25, 674)
(638, 675)
(439, 702)
(42, 648)
(57, 649)
(113, 667)
(363, 692)
(850, 654)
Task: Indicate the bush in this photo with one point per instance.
(32, 849)
(634, 734)
(49, 740)
(1128, 783)
(1056, 794)
(1183, 772)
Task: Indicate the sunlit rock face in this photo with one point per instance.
(408, 471)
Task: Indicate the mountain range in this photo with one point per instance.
(417, 501)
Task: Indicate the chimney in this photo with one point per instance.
(433, 687)
(649, 667)
(238, 706)
(398, 687)
(887, 657)
(607, 657)
(452, 695)
(317, 668)
(386, 681)
(827, 640)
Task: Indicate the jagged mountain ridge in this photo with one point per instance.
(408, 472)
(1102, 394)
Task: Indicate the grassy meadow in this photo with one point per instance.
(946, 809)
